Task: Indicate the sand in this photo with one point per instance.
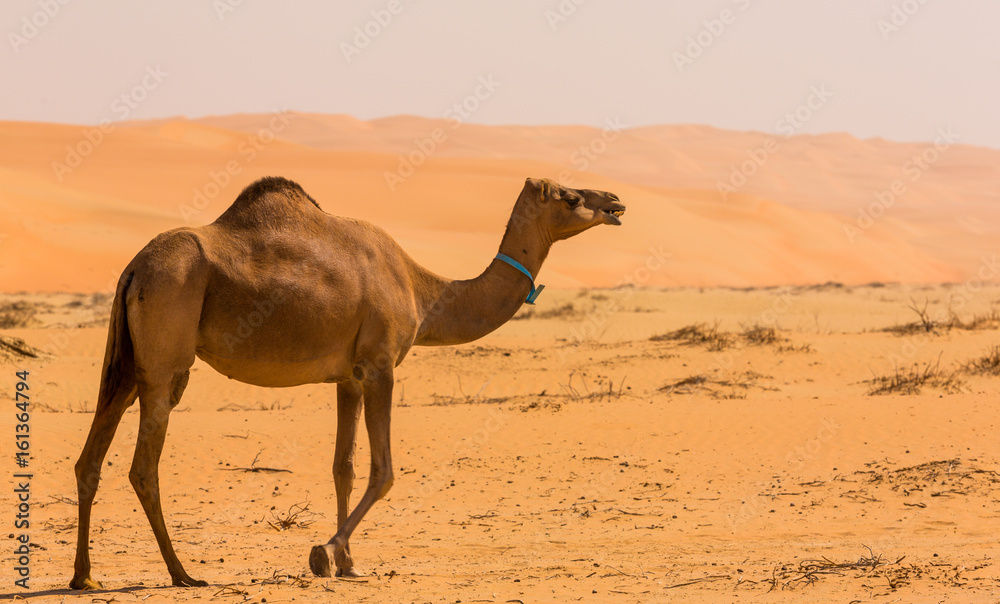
(568, 458)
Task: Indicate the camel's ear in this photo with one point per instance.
(550, 191)
(541, 186)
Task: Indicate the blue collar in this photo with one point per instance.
(534, 290)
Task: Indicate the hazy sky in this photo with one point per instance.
(898, 69)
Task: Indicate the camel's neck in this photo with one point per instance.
(456, 312)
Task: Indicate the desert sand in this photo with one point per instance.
(748, 395)
(613, 445)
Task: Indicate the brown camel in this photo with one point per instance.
(277, 292)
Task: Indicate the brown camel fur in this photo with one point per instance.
(277, 292)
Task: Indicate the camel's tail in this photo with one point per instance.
(118, 374)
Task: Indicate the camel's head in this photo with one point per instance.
(568, 212)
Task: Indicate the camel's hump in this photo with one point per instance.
(268, 198)
(261, 188)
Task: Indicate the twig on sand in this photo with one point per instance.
(489, 514)
(296, 580)
(231, 590)
(621, 571)
(700, 580)
(297, 515)
(347, 580)
(253, 467)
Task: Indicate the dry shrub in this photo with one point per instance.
(988, 364)
(760, 335)
(923, 324)
(912, 379)
(696, 335)
(735, 388)
(17, 314)
(15, 349)
(565, 311)
(297, 515)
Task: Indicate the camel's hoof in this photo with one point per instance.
(321, 560)
(189, 582)
(84, 584)
(347, 572)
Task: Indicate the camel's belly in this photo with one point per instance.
(279, 373)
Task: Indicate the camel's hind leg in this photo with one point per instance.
(164, 303)
(155, 403)
(88, 474)
(349, 402)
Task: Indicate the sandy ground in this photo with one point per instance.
(566, 457)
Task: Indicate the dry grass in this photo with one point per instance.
(923, 324)
(461, 398)
(808, 572)
(698, 334)
(988, 364)
(17, 314)
(736, 388)
(760, 335)
(982, 321)
(913, 379)
(566, 311)
(926, 324)
(703, 334)
(15, 349)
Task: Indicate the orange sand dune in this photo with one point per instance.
(77, 202)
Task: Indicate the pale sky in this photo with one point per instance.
(550, 61)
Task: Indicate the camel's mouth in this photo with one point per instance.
(614, 215)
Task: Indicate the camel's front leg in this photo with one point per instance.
(377, 391)
(349, 401)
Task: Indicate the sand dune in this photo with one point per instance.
(78, 202)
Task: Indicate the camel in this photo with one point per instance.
(276, 292)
